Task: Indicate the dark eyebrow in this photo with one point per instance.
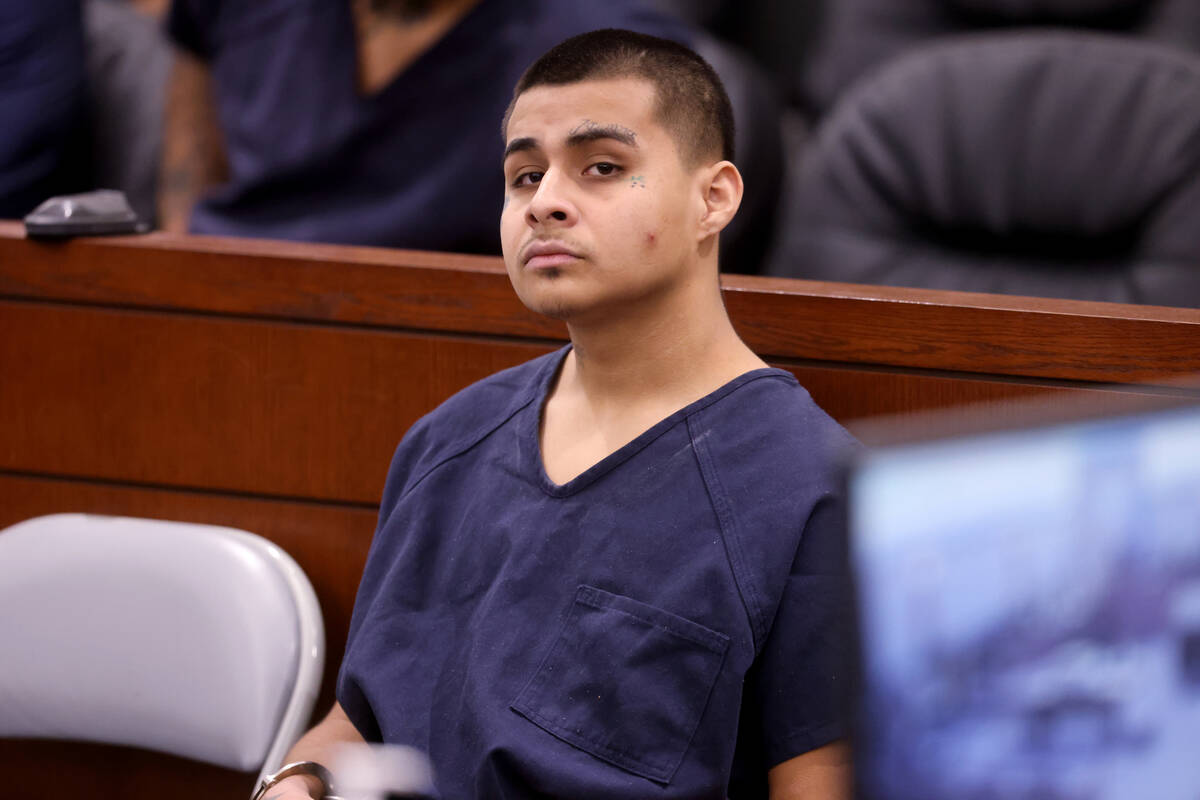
(586, 131)
(589, 131)
(520, 145)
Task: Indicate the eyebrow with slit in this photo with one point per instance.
(584, 132)
(589, 131)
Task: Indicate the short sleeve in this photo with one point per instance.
(349, 693)
(190, 23)
(404, 469)
(800, 684)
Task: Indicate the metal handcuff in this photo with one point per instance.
(298, 768)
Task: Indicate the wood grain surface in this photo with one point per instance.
(241, 405)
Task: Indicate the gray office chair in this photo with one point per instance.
(201, 641)
(1045, 164)
(854, 37)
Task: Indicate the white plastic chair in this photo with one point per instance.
(202, 641)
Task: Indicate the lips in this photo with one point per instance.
(543, 254)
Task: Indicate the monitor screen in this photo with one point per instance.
(1029, 613)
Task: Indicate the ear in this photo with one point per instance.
(721, 188)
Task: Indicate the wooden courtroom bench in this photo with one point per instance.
(264, 385)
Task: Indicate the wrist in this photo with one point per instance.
(309, 785)
(307, 778)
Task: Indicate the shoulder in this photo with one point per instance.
(775, 459)
(766, 421)
(466, 418)
(772, 459)
(771, 455)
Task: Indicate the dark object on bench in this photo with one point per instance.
(104, 211)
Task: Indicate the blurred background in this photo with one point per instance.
(1034, 147)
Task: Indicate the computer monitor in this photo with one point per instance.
(1029, 613)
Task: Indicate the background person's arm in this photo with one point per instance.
(318, 745)
(821, 774)
(193, 152)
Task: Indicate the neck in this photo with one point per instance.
(672, 351)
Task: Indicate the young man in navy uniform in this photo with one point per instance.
(616, 571)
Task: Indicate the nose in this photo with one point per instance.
(551, 203)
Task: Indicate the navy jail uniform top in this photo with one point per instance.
(605, 637)
(416, 164)
(45, 135)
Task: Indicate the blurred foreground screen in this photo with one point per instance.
(1029, 613)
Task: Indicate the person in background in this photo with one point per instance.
(354, 121)
(128, 61)
(45, 136)
(618, 570)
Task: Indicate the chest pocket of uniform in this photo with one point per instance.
(626, 682)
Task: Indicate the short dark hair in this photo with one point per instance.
(691, 102)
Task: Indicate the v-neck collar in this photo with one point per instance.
(530, 428)
(431, 68)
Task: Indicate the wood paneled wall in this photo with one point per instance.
(264, 385)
